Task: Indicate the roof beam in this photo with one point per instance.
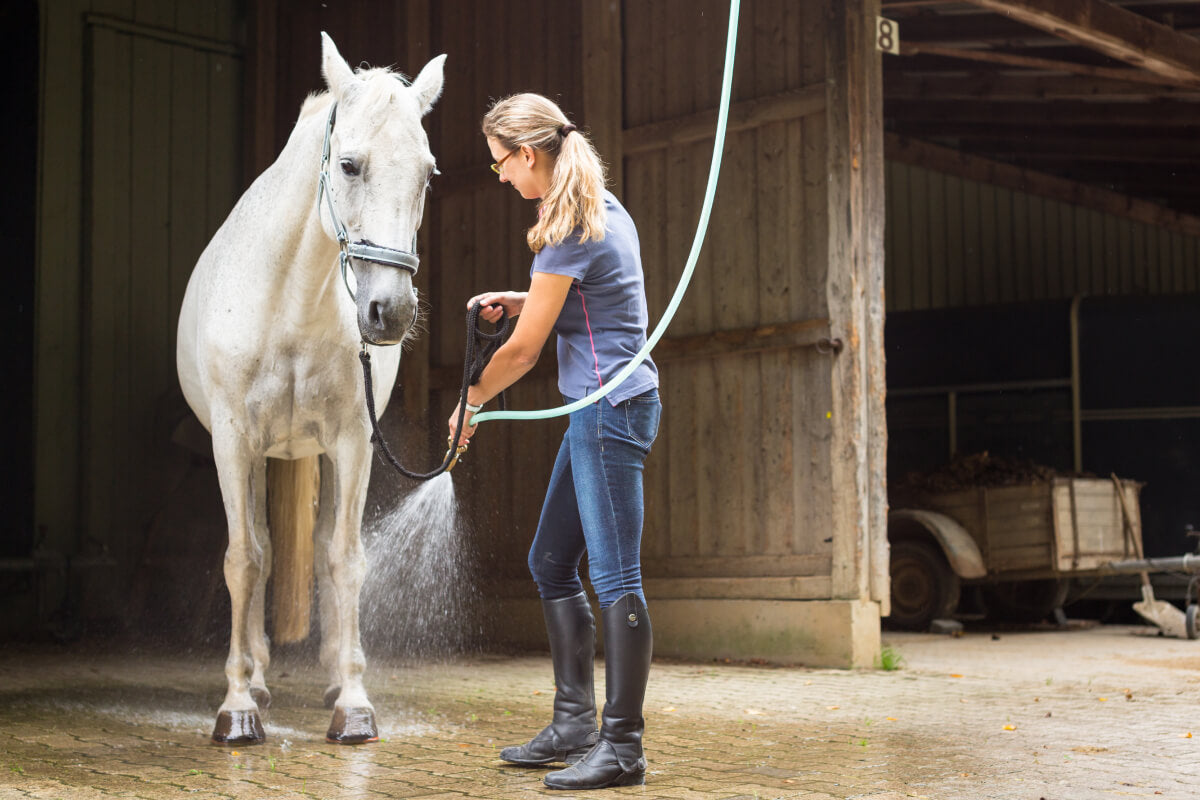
(897, 85)
(1015, 60)
(1119, 116)
(971, 167)
(1112, 30)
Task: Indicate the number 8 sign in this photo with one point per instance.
(887, 36)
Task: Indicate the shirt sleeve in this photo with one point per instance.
(569, 258)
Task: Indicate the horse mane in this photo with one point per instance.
(376, 90)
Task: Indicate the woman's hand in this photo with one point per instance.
(511, 302)
(467, 432)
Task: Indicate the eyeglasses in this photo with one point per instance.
(499, 165)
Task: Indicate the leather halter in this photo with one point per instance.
(362, 250)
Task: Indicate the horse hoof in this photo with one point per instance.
(331, 695)
(352, 726)
(262, 697)
(238, 727)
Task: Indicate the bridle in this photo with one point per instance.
(406, 260)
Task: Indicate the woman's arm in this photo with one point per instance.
(538, 313)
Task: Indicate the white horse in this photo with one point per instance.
(267, 356)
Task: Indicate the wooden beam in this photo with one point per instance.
(1069, 67)
(603, 111)
(1110, 29)
(1006, 88)
(1112, 150)
(738, 342)
(742, 116)
(976, 168)
(1157, 115)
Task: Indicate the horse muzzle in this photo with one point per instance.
(386, 303)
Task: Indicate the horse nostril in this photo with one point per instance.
(375, 314)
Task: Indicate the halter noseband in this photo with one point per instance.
(362, 250)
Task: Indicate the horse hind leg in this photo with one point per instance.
(238, 720)
(327, 597)
(260, 646)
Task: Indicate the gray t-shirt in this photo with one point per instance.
(602, 325)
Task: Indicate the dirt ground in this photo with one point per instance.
(1059, 714)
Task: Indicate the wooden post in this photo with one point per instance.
(292, 491)
(602, 101)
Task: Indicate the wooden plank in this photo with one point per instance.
(905, 265)
(988, 234)
(1069, 67)
(60, 286)
(1005, 278)
(1023, 278)
(1111, 30)
(148, 363)
(108, 282)
(602, 79)
(781, 588)
(942, 159)
(748, 565)
(745, 115)
(918, 198)
(939, 225)
(1040, 248)
(1150, 117)
(954, 240)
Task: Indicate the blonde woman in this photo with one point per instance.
(586, 286)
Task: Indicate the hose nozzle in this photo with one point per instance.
(462, 448)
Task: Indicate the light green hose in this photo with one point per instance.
(693, 256)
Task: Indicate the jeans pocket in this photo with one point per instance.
(642, 416)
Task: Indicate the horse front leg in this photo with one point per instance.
(260, 647)
(238, 720)
(353, 715)
(323, 542)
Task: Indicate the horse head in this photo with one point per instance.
(379, 167)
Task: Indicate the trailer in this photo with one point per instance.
(1021, 545)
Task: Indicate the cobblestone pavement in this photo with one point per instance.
(1087, 713)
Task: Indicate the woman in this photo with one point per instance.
(586, 286)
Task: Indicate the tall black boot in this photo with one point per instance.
(572, 631)
(617, 759)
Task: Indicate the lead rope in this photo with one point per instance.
(474, 361)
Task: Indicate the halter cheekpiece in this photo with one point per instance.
(363, 250)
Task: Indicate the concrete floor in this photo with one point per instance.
(1086, 713)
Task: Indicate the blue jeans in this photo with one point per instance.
(594, 503)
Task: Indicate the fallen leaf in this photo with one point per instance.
(463, 745)
(754, 712)
(891, 719)
(955, 675)
(1010, 727)
(1187, 735)
(668, 709)
(962, 699)
(1102, 699)
(833, 708)
(537, 691)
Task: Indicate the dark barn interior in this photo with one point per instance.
(1025, 167)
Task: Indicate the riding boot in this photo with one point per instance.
(617, 758)
(572, 631)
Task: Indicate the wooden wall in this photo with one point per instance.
(954, 242)
(139, 151)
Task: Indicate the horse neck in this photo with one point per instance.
(305, 257)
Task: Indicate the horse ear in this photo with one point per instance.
(428, 85)
(338, 74)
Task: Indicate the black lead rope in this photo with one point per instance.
(481, 345)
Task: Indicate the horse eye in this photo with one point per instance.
(349, 168)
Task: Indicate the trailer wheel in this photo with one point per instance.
(1192, 624)
(924, 588)
(1024, 601)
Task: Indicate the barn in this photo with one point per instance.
(1006, 183)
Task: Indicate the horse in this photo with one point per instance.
(266, 356)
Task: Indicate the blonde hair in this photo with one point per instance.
(575, 198)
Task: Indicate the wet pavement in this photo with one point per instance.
(1086, 713)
